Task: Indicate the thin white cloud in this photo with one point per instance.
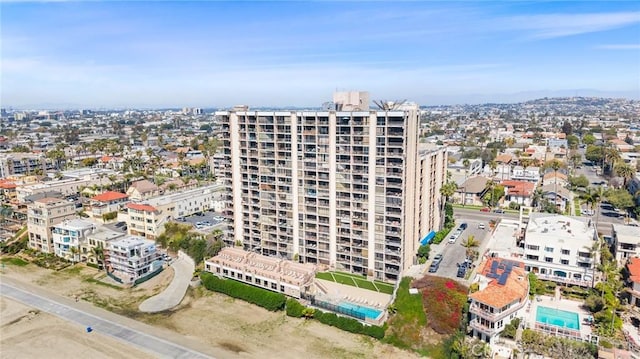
(619, 47)
(550, 26)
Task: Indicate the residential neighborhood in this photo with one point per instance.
(530, 210)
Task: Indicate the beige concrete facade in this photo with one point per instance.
(42, 215)
(338, 189)
(283, 276)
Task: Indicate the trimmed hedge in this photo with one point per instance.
(264, 298)
(295, 309)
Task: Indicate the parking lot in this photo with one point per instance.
(205, 222)
(455, 253)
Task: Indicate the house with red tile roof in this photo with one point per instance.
(520, 192)
(106, 202)
(503, 296)
(633, 280)
(145, 220)
(8, 193)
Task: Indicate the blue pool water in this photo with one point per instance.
(558, 318)
(366, 311)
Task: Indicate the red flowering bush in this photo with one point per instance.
(443, 300)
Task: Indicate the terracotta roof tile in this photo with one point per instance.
(495, 295)
(109, 196)
(634, 269)
(7, 185)
(518, 188)
(141, 207)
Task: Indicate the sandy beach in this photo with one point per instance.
(236, 327)
(28, 333)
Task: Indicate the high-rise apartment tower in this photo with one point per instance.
(346, 190)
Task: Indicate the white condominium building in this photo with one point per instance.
(70, 236)
(132, 257)
(560, 248)
(343, 190)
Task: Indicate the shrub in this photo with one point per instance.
(269, 300)
(445, 299)
(294, 308)
(374, 331)
(423, 251)
(109, 216)
(511, 328)
(93, 265)
(605, 344)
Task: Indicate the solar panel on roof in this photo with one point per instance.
(494, 266)
(492, 275)
(503, 278)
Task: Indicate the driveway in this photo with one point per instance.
(183, 268)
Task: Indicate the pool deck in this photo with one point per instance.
(335, 292)
(562, 304)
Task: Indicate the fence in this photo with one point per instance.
(337, 309)
(148, 276)
(114, 277)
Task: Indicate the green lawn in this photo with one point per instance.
(356, 280)
(15, 261)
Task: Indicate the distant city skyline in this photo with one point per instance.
(218, 54)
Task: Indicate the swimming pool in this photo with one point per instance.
(558, 318)
(366, 311)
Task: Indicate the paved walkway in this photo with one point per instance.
(183, 268)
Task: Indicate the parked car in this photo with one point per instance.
(485, 209)
(481, 226)
(434, 267)
(463, 267)
(463, 226)
(462, 270)
(498, 210)
(437, 259)
(453, 238)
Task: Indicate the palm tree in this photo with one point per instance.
(465, 163)
(470, 243)
(610, 155)
(74, 251)
(98, 254)
(448, 189)
(493, 165)
(490, 186)
(555, 165)
(625, 171)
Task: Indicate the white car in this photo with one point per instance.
(453, 238)
(481, 226)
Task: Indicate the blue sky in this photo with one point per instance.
(217, 54)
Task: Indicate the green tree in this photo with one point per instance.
(594, 154)
(573, 141)
(423, 251)
(620, 198)
(579, 181)
(625, 171)
(588, 139)
(567, 129)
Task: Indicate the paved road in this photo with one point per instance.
(183, 268)
(80, 314)
(464, 214)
